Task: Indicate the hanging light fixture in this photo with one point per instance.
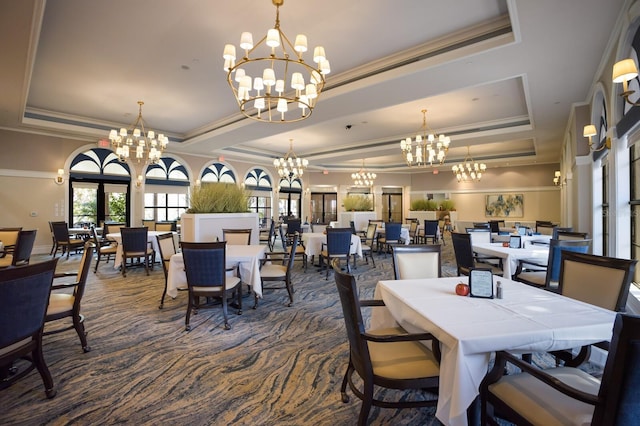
(275, 79)
(290, 167)
(362, 177)
(145, 143)
(429, 146)
(469, 170)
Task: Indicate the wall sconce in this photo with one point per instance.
(59, 180)
(589, 131)
(623, 71)
(557, 178)
(139, 181)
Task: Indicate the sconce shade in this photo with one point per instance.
(589, 130)
(624, 70)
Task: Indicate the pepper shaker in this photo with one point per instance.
(499, 290)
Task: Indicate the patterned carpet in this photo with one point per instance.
(277, 365)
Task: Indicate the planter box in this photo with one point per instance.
(360, 219)
(203, 227)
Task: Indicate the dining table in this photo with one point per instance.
(527, 240)
(313, 242)
(246, 257)
(471, 329)
(151, 238)
(511, 256)
(404, 233)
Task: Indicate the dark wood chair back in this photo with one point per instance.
(24, 247)
(463, 252)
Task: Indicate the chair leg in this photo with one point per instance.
(38, 360)
(239, 294)
(78, 324)
(190, 303)
(345, 381)
(163, 294)
(367, 401)
(289, 290)
(224, 311)
(97, 262)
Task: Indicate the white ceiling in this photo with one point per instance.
(499, 76)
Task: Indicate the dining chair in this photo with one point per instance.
(269, 238)
(135, 245)
(544, 227)
(24, 295)
(150, 224)
(103, 248)
(63, 241)
(567, 395)
(22, 250)
(465, 258)
(168, 226)
(413, 232)
(318, 228)
(482, 235)
(430, 231)
(388, 358)
(205, 267)
(367, 243)
(9, 236)
(338, 247)
(65, 304)
(417, 261)
(167, 248)
(546, 275)
(237, 237)
(293, 225)
(391, 236)
(277, 266)
(560, 229)
(53, 239)
(300, 253)
(571, 235)
(597, 280)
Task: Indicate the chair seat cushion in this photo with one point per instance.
(534, 277)
(60, 302)
(110, 249)
(273, 271)
(541, 404)
(401, 360)
(149, 252)
(6, 261)
(299, 250)
(230, 283)
(325, 253)
(74, 241)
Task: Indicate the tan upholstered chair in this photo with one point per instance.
(167, 247)
(272, 270)
(9, 237)
(566, 395)
(63, 241)
(103, 248)
(64, 304)
(367, 243)
(237, 237)
(389, 358)
(417, 261)
(22, 250)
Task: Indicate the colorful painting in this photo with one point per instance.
(504, 205)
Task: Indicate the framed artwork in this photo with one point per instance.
(504, 205)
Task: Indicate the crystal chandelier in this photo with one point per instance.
(363, 177)
(275, 79)
(429, 146)
(290, 167)
(147, 146)
(469, 170)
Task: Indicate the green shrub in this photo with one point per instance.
(448, 205)
(219, 198)
(424, 205)
(358, 203)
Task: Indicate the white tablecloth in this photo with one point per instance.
(404, 233)
(511, 256)
(527, 240)
(247, 257)
(151, 237)
(313, 243)
(470, 329)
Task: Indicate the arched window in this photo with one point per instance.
(99, 188)
(218, 172)
(166, 190)
(258, 183)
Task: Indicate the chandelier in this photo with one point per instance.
(275, 78)
(429, 146)
(469, 170)
(363, 177)
(290, 167)
(145, 143)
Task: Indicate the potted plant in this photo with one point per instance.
(218, 206)
(422, 209)
(357, 203)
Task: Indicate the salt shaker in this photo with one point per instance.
(499, 290)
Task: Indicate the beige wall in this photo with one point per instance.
(29, 163)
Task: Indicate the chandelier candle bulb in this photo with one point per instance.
(281, 64)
